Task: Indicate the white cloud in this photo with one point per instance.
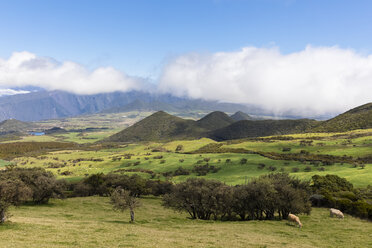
(314, 81)
(27, 69)
(9, 92)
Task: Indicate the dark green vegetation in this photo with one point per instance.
(357, 118)
(18, 185)
(250, 129)
(261, 198)
(333, 191)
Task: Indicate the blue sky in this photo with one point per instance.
(278, 54)
(138, 36)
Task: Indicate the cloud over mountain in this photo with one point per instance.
(314, 81)
(27, 69)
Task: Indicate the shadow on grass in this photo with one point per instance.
(8, 225)
(33, 204)
(120, 222)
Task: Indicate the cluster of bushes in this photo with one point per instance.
(103, 185)
(336, 192)
(18, 185)
(268, 197)
(202, 170)
(325, 159)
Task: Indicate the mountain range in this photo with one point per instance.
(43, 105)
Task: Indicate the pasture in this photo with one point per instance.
(160, 160)
(91, 222)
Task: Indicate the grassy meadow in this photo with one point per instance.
(150, 159)
(91, 222)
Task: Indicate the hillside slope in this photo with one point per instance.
(356, 118)
(15, 126)
(159, 126)
(240, 116)
(215, 120)
(251, 129)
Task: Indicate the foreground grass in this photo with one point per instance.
(90, 222)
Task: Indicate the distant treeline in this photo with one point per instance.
(11, 150)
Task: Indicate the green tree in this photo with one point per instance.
(12, 192)
(122, 199)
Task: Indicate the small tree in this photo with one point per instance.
(12, 192)
(122, 199)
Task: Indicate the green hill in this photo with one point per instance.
(159, 126)
(251, 129)
(15, 126)
(240, 116)
(162, 126)
(215, 120)
(356, 118)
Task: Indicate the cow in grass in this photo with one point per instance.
(336, 212)
(294, 218)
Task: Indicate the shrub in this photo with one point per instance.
(243, 161)
(179, 148)
(307, 169)
(295, 169)
(202, 170)
(181, 171)
(42, 183)
(261, 166)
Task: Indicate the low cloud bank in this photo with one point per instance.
(311, 82)
(26, 69)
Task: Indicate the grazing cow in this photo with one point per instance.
(294, 218)
(336, 212)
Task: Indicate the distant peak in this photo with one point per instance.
(239, 116)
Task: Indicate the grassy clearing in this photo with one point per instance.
(90, 222)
